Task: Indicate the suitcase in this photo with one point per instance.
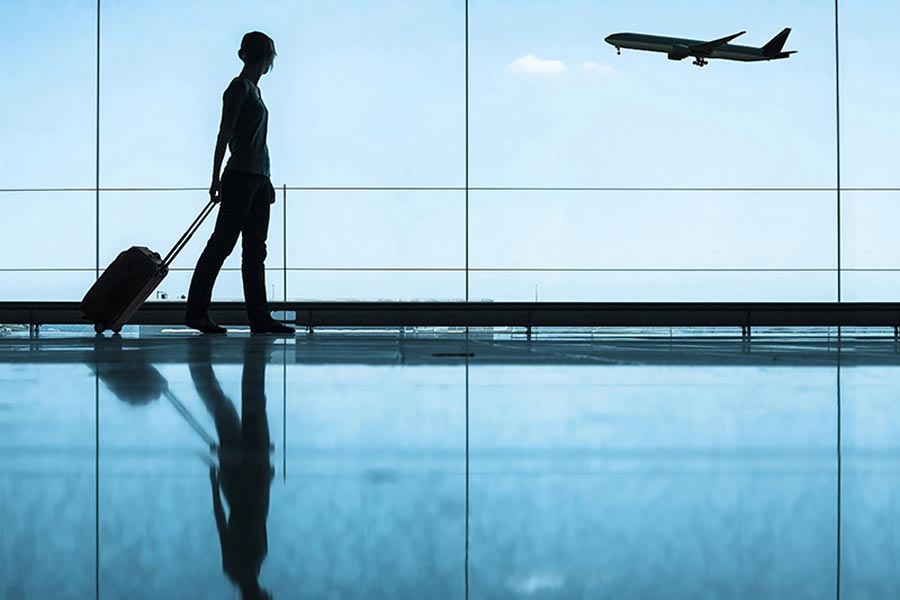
(127, 283)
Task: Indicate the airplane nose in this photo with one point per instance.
(610, 39)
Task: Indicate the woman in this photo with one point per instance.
(245, 193)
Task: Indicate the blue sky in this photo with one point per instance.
(373, 94)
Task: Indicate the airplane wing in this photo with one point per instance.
(707, 47)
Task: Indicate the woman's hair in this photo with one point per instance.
(256, 47)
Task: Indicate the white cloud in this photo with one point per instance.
(532, 65)
(536, 583)
(597, 67)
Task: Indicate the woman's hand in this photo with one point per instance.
(215, 190)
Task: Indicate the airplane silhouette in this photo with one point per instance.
(679, 48)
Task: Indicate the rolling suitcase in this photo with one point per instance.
(127, 283)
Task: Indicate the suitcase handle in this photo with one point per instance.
(186, 237)
(195, 425)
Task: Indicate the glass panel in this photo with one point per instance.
(654, 286)
(45, 286)
(869, 230)
(362, 93)
(552, 104)
(47, 480)
(48, 94)
(772, 237)
(48, 230)
(869, 94)
(686, 230)
(377, 285)
(652, 482)
(376, 94)
(382, 229)
(870, 245)
(870, 286)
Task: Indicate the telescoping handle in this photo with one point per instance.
(186, 237)
(191, 420)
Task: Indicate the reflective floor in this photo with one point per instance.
(448, 466)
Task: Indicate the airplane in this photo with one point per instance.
(679, 49)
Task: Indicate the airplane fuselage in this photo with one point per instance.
(678, 48)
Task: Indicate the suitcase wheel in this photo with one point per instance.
(99, 327)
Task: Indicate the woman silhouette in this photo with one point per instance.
(245, 192)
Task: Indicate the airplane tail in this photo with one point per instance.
(775, 46)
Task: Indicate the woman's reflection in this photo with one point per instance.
(245, 471)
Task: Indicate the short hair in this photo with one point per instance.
(257, 46)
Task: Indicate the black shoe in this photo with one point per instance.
(204, 325)
(273, 327)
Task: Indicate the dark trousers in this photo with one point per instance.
(244, 211)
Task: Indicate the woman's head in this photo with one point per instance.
(257, 48)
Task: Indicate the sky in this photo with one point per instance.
(371, 93)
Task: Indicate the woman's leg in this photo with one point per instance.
(253, 259)
(238, 191)
(254, 421)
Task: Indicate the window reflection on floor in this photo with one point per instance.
(394, 468)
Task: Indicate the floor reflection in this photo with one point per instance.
(447, 468)
(240, 468)
(244, 473)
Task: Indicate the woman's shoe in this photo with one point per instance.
(204, 325)
(273, 327)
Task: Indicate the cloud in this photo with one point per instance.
(532, 65)
(597, 67)
(536, 583)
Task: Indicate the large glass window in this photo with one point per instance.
(591, 176)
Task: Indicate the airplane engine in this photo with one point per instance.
(679, 53)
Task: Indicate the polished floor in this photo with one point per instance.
(443, 465)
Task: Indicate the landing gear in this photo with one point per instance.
(700, 61)
(618, 51)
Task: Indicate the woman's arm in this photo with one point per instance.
(232, 101)
(215, 189)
